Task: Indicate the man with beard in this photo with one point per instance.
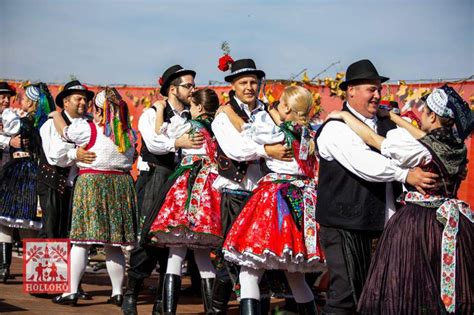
(162, 154)
(355, 190)
(239, 168)
(6, 92)
(57, 169)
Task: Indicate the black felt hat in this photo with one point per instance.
(359, 71)
(6, 89)
(72, 87)
(170, 74)
(243, 67)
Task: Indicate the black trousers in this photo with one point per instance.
(143, 258)
(56, 209)
(232, 202)
(140, 189)
(348, 254)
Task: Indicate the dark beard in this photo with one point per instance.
(184, 101)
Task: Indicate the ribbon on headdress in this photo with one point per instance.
(116, 121)
(45, 105)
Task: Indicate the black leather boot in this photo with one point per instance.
(264, 306)
(221, 296)
(129, 304)
(308, 308)
(171, 289)
(5, 261)
(158, 305)
(207, 285)
(249, 307)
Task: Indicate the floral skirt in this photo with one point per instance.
(276, 229)
(18, 196)
(404, 276)
(104, 210)
(190, 214)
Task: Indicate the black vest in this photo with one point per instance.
(166, 160)
(347, 201)
(53, 176)
(227, 167)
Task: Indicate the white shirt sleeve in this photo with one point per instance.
(11, 122)
(263, 130)
(177, 127)
(338, 142)
(4, 142)
(78, 132)
(156, 143)
(234, 144)
(404, 149)
(55, 148)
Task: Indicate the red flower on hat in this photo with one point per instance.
(224, 62)
(161, 81)
(12, 87)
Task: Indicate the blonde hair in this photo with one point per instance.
(300, 100)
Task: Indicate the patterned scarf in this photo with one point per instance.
(295, 134)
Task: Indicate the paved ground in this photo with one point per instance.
(14, 301)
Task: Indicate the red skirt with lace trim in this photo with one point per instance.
(266, 235)
(192, 221)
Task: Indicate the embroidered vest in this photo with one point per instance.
(53, 176)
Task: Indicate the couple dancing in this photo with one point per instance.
(421, 261)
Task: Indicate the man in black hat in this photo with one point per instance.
(6, 92)
(239, 166)
(158, 159)
(57, 169)
(355, 189)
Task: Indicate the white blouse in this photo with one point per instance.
(177, 127)
(404, 149)
(11, 121)
(264, 131)
(107, 155)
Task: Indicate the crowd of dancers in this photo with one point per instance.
(366, 194)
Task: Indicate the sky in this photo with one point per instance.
(133, 42)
